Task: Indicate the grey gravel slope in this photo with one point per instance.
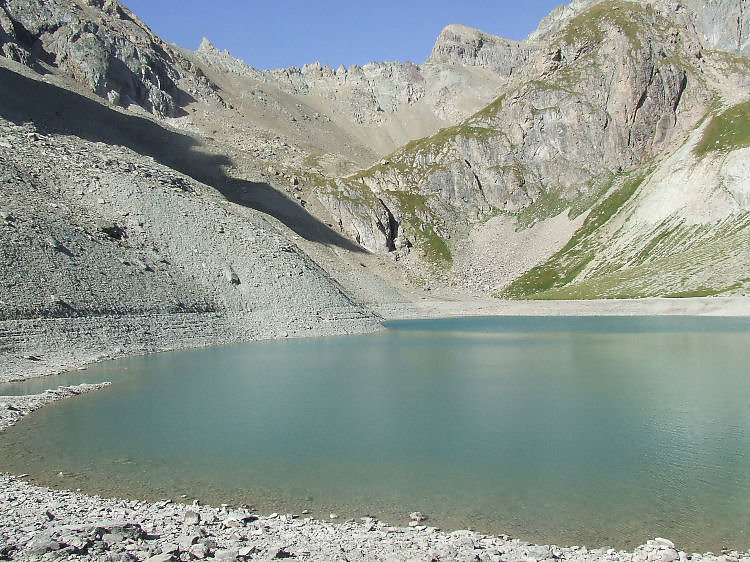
(92, 229)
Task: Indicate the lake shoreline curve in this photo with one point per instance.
(42, 523)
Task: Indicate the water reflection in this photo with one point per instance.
(599, 431)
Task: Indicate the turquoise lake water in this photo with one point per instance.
(597, 431)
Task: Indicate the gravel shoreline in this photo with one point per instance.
(39, 523)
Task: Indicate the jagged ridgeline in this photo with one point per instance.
(607, 155)
(624, 119)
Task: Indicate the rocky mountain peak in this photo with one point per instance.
(720, 24)
(221, 59)
(100, 44)
(472, 47)
(206, 46)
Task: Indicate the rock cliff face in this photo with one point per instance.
(541, 167)
(472, 47)
(382, 104)
(605, 89)
(102, 45)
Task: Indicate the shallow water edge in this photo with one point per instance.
(574, 554)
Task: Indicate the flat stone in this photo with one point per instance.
(192, 518)
(226, 555)
(170, 548)
(161, 558)
(668, 555)
(186, 541)
(200, 551)
(247, 551)
(42, 544)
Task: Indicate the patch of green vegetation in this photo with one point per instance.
(565, 265)
(353, 192)
(606, 209)
(696, 262)
(551, 204)
(727, 131)
(418, 221)
(666, 234)
(489, 111)
(567, 79)
(631, 284)
(589, 26)
(312, 160)
(698, 292)
(494, 212)
(438, 141)
(548, 204)
(435, 248)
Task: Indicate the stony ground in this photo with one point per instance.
(42, 524)
(38, 523)
(123, 234)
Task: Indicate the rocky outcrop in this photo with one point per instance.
(360, 215)
(9, 43)
(472, 47)
(720, 24)
(606, 88)
(223, 60)
(99, 43)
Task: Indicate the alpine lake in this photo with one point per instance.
(596, 431)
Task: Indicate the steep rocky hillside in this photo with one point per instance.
(605, 156)
(617, 147)
(107, 247)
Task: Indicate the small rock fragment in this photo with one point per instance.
(200, 551)
(192, 518)
(111, 229)
(161, 558)
(231, 275)
(169, 548)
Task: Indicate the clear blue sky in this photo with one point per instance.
(279, 33)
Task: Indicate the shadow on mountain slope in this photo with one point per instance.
(55, 110)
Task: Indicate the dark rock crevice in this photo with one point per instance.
(392, 228)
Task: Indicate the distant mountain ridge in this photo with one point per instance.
(539, 168)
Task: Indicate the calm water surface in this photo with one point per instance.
(597, 431)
